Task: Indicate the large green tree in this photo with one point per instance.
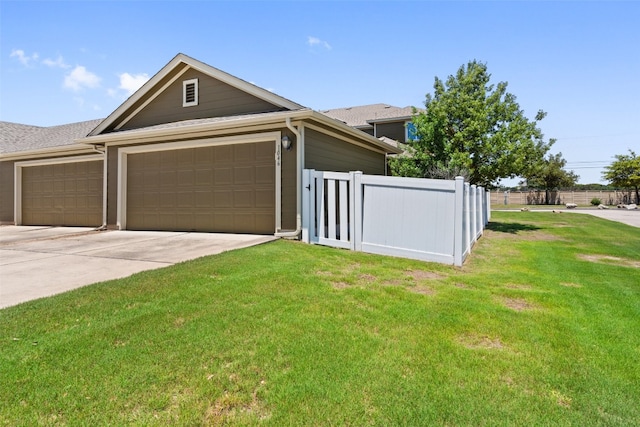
(624, 172)
(471, 125)
(550, 175)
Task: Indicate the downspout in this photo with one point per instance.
(104, 187)
(296, 233)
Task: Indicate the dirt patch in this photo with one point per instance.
(517, 304)
(231, 408)
(421, 290)
(480, 342)
(561, 400)
(340, 285)
(608, 259)
(461, 286)
(571, 285)
(423, 275)
(367, 278)
(536, 235)
(518, 287)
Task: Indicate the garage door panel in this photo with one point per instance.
(62, 194)
(223, 176)
(233, 191)
(244, 175)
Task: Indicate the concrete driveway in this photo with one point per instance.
(37, 262)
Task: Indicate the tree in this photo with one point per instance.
(474, 126)
(625, 172)
(550, 175)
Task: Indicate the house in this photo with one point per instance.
(383, 121)
(194, 149)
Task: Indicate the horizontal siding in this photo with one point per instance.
(326, 153)
(395, 130)
(6, 191)
(215, 99)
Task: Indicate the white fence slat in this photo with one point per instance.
(343, 219)
(331, 209)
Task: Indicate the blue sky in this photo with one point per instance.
(62, 62)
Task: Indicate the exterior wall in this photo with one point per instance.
(112, 186)
(327, 153)
(394, 130)
(288, 188)
(6, 192)
(215, 99)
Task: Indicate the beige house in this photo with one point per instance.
(194, 149)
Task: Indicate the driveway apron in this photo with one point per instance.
(37, 262)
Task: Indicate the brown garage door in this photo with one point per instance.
(227, 189)
(67, 194)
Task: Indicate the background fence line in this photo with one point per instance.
(607, 197)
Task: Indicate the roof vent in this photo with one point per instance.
(190, 93)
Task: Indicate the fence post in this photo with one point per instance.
(307, 207)
(356, 210)
(458, 229)
(488, 207)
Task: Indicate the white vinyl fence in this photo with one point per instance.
(425, 219)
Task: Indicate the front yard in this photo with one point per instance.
(539, 327)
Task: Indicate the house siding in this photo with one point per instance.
(288, 187)
(112, 186)
(6, 192)
(327, 153)
(215, 99)
(394, 130)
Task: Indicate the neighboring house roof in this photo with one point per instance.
(15, 137)
(364, 116)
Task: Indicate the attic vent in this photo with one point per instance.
(190, 93)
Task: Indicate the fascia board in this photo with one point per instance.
(74, 149)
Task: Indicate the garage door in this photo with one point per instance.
(68, 194)
(226, 189)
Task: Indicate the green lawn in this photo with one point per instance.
(540, 327)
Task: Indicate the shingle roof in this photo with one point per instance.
(364, 115)
(15, 137)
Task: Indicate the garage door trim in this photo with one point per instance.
(17, 190)
(123, 152)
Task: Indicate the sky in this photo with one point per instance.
(64, 62)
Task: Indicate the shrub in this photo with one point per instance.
(595, 201)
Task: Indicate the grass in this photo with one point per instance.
(540, 327)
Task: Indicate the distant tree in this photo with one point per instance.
(550, 175)
(473, 126)
(624, 172)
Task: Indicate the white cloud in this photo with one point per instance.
(57, 63)
(314, 41)
(23, 57)
(80, 78)
(131, 83)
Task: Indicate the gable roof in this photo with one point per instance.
(18, 138)
(178, 65)
(363, 116)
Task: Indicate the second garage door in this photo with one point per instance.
(68, 194)
(226, 189)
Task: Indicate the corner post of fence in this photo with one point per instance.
(467, 215)
(473, 208)
(307, 213)
(480, 204)
(458, 229)
(487, 217)
(355, 211)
